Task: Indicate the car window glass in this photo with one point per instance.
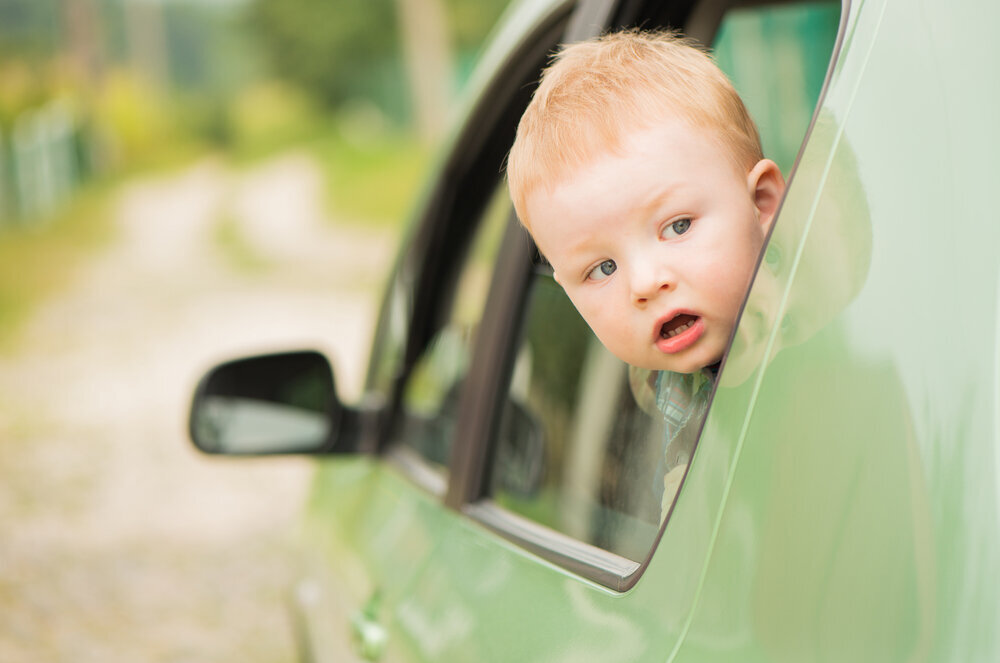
(587, 446)
(790, 46)
(432, 390)
(584, 461)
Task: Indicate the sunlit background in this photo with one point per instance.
(183, 181)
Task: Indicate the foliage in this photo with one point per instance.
(37, 260)
(471, 21)
(20, 89)
(373, 173)
(208, 48)
(339, 51)
(268, 116)
(28, 28)
(329, 48)
(137, 118)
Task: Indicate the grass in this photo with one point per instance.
(372, 179)
(38, 258)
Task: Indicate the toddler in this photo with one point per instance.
(640, 175)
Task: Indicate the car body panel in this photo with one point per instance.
(858, 523)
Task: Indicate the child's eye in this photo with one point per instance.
(602, 271)
(678, 227)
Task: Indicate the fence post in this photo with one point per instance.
(59, 152)
(43, 161)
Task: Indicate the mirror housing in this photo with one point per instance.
(271, 404)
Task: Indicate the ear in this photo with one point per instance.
(766, 185)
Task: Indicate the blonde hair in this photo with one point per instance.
(596, 91)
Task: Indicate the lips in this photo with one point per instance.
(678, 332)
(677, 325)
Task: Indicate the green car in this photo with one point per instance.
(496, 495)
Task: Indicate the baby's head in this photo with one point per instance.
(639, 173)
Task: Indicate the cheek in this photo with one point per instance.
(584, 305)
(747, 255)
(596, 313)
(599, 313)
(732, 280)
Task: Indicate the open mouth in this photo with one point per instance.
(676, 325)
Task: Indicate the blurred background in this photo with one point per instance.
(182, 182)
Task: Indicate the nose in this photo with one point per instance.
(648, 279)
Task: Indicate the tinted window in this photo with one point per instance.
(591, 469)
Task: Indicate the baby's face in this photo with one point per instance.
(656, 248)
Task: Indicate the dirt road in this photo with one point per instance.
(118, 541)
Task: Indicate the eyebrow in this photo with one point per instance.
(661, 199)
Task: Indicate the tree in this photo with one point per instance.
(341, 50)
(332, 49)
(428, 59)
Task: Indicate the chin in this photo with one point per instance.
(686, 367)
(695, 363)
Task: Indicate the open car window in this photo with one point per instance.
(584, 451)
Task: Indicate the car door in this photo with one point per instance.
(512, 512)
(862, 500)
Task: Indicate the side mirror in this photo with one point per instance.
(272, 404)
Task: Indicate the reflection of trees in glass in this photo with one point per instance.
(331, 48)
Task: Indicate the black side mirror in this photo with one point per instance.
(272, 404)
